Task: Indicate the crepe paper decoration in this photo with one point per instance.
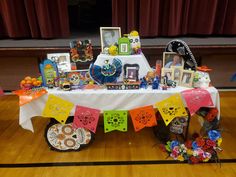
(197, 98)
(26, 96)
(57, 108)
(86, 118)
(171, 107)
(64, 138)
(143, 117)
(107, 73)
(115, 120)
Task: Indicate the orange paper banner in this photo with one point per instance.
(143, 117)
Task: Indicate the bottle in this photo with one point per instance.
(158, 68)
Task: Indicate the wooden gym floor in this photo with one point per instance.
(113, 154)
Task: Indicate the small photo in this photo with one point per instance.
(109, 36)
(167, 72)
(177, 72)
(187, 78)
(62, 60)
(131, 72)
(172, 59)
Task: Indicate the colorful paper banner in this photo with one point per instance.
(26, 96)
(197, 98)
(57, 108)
(171, 107)
(86, 118)
(143, 117)
(115, 120)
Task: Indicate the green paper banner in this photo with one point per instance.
(115, 120)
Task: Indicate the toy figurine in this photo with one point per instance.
(143, 83)
(66, 86)
(150, 76)
(155, 83)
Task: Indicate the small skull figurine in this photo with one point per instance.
(201, 79)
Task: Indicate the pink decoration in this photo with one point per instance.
(86, 118)
(197, 98)
(1, 92)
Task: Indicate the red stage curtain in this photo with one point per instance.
(154, 18)
(34, 18)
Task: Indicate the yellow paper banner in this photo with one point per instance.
(171, 107)
(57, 108)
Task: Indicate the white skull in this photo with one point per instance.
(201, 79)
(64, 137)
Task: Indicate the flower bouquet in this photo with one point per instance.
(201, 149)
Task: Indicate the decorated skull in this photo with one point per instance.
(201, 79)
(64, 137)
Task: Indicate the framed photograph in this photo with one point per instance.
(177, 72)
(187, 78)
(167, 72)
(109, 36)
(131, 72)
(172, 59)
(124, 46)
(62, 60)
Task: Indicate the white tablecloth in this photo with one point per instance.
(104, 100)
(140, 59)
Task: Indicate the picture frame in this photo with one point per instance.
(187, 78)
(81, 51)
(109, 36)
(62, 60)
(176, 74)
(124, 46)
(131, 72)
(49, 72)
(172, 59)
(167, 72)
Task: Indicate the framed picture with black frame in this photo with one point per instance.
(131, 72)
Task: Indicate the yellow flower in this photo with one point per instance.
(206, 160)
(180, 158)
(113, 50)
(219, 141)
(189, 152)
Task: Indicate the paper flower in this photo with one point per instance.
(201, 149)
(214, 135)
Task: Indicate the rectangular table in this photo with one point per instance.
(105, 100)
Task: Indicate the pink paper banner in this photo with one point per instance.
(86, 118)
(197, 98)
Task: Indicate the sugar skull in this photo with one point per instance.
(178, 124)
(64, 138)
(74, 78)
(201, 79)
(134, 41)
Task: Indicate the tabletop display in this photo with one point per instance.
(120, 84)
